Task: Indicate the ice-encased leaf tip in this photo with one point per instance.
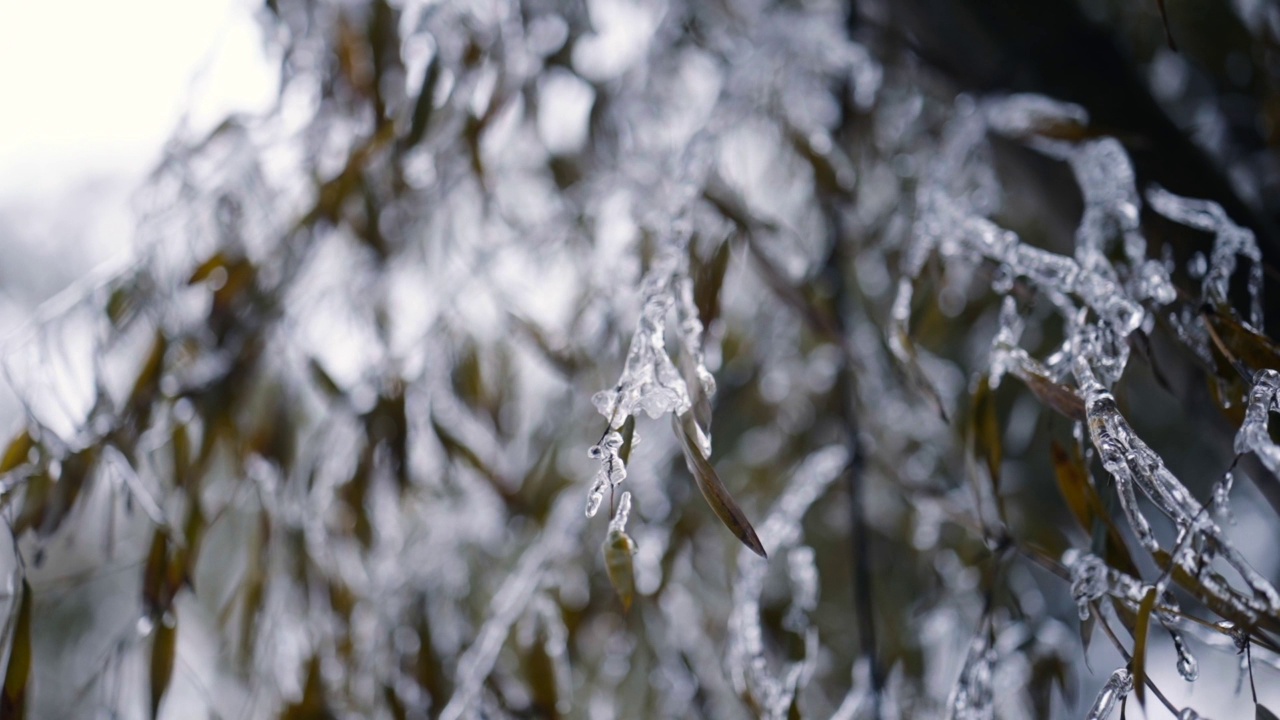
(716, 494)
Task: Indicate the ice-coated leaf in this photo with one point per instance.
(716, 494)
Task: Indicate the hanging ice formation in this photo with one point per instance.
(650, 381)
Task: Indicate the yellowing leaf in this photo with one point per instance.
(618, 549)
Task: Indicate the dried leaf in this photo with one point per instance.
(712, 488)
(13, 699)
(17, 452)
(154, 575)
(1139, 662)
(1087, 506)
(424, 107)
(618, 549)
(986, 426)
(706, 288)
(1059, 398)
(163, 653)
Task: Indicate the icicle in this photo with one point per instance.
(619, 521)
(1188, 668)
(1113, 693)
(1222, 499)
(1230, 241)
(611, 473)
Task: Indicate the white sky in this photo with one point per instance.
(94, 88)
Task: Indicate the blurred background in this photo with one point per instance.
(318, 319)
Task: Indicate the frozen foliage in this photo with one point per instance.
(650, 380)
(321, 448)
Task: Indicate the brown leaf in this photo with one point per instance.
(163, 653)
(706, 289)
(716, 494)
(986, 426)
(17, 452)
(13, 699)
(1059, 398)
(1139, 662)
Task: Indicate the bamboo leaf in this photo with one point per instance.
(17, 452)
(154, 575)
(706, 290)
(618, 549)
(1139, 662)
(163, 652)
(986, 426)
(1059, 398)
(13, 699)
(1262, 713)
(1073, 483)
(716, 494)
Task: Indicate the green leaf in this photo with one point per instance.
(1139, 662)
(712, 488)
(13, 699)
